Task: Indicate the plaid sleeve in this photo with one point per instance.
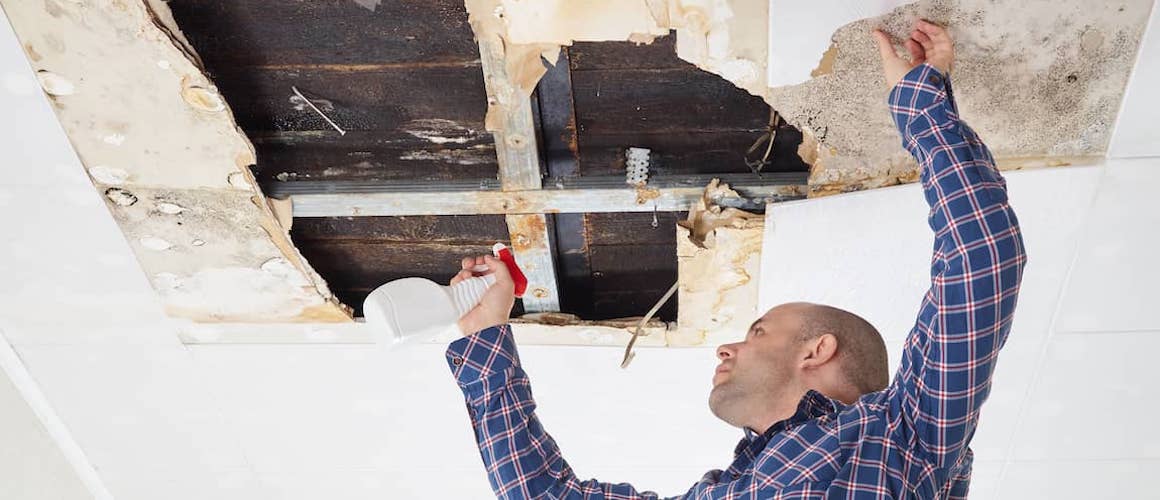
(949, 357)
(521, 459)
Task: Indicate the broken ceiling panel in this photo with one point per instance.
(160, 142)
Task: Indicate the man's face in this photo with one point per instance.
(753, 379)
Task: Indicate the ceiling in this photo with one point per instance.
(405, 83)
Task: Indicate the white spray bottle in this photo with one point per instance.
(412, 310)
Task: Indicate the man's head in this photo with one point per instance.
(794, 348)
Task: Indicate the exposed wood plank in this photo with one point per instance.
(482, 230)
(361, 264)
(689, 152)
(334, 161)
(629, 100)
(629, 303)
(628, 280)
(388, 100)
(609, 229)
(627, 55)
(325, 32)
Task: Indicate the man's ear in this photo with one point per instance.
(820, 350)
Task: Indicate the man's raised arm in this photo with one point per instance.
(949, 357)
(521, 459)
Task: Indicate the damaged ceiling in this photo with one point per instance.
(193, 115)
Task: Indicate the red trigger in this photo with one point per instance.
(505, 254)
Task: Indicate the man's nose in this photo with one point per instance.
(726, 351)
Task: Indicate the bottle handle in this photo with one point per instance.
(505, 254)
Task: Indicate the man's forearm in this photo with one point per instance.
(521, 459)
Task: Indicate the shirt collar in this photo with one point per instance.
(812, 405)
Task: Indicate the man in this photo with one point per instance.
(808, 383)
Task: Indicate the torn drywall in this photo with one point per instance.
(723, 37)
(718, 285)
(160, 142)
(1040, 81)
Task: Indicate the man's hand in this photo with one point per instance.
(496, 306)
(928, 43)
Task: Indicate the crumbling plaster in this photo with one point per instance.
(160, 142)
(1040, 80)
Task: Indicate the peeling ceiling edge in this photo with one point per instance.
(171, 161)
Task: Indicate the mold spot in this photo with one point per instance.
(54, 84)
(120, 197)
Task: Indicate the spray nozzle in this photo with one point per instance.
(504, 254)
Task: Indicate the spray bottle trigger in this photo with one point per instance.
(504, 254)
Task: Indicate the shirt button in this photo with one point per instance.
(457, 361)
(736, 475)
(935, 79)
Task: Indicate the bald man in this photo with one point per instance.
(809, 383)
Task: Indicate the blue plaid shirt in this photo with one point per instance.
(907, 441)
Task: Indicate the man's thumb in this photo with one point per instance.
(885, 46)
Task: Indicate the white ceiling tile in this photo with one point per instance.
(304, 407)
(1080, 480)
(133, 406)
(1112, 285)
(376, 484)
(985, 479)
(1093, 399)
(1000, 415)
(154, 483)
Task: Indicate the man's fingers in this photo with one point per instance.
(467, 263)
(885, 46)
(923, 39)
(460, 276)
(936, 33)
(917, 53)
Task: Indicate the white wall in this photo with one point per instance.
(159, 419)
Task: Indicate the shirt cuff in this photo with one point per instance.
(923, 87)
(476, 357)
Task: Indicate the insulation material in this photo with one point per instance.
(160, 143)
(1040, 81)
